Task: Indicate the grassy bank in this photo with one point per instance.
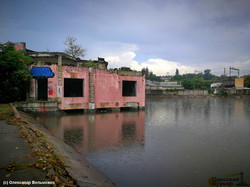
(7, 114)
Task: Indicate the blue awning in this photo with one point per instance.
(42, 72)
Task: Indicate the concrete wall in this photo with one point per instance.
(239, 82)
(177, 92)
(243, 92)
(38, 106)
(234, 91)
(52, 84)
(193, 92)
(20, 46)
(101, 89)
(75, 102)
(108, 90)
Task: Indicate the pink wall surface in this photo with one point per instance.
(108, 90)
(75, 102)
(140, 96)
(20, 46)
(52, 83)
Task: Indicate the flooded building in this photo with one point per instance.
(65, 83)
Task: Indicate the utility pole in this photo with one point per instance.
(232, 68)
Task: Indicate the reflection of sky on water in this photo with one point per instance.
(175, 142)
(187, 141)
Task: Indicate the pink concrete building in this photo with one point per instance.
(66, 83)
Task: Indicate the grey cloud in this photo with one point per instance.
(187, 31)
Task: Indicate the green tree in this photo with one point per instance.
(207, 74)
(247, 81)
(154, 77)
(177, 72)
(125, 69)
(145, 72)
(91, 64)
(14, 73)
(150, 75)
(188, 84)
(196, 81)
(200, 83)
(178, 78)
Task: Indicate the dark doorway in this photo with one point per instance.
(42, 89)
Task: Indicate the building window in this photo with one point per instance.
(129, 88)
(73, 87)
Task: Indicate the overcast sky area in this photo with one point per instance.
(191, 35)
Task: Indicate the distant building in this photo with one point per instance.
(171, 89)
(216, 87)
(159, 88)
(230, 86)
(166, 78)
(229, 82)
(239, 83)
(167, 85)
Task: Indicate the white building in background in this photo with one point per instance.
(215, 87)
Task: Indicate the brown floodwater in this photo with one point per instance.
(174, 142)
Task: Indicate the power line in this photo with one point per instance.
(232, 68)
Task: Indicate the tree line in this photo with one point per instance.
(196, 81)
(149, 75)
(191, 81)
(14, 73)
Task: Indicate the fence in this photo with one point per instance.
(177, 92)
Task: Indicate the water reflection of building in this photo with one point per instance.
(92, 132)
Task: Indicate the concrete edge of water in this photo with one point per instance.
(195, 96)
(80, 169)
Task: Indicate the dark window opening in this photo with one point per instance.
(48, 63)
(73, 87)
(128, 88)
(42, 89)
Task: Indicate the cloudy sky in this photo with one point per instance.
(191, 35)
